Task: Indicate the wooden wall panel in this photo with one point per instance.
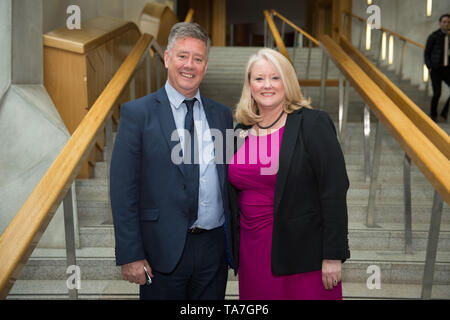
(219, 23)
(324, 17)
(202, 13)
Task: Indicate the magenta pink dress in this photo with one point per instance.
(253, 172)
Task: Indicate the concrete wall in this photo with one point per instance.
(409, 19)
(5, 55)
(31, 130)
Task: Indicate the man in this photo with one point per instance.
(437, 61)
(173, 218)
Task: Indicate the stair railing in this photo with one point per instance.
(415, 132)
(428, 127)
(424, 144)
(24, 231)
(297, 31)
(386, 39)
(274, 35)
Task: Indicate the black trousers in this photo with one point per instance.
(201, 273)
(437, 76)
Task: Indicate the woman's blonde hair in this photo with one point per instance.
(247, 110)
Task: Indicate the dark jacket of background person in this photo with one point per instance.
(434, 50)
(310, 209)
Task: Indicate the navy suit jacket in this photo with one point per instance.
(148, 196)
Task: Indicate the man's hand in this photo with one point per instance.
(331, 273)
(134, 272)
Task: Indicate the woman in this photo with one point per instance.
(288, 186)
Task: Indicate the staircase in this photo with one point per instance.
(44, 276)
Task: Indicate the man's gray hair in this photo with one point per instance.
(182, 30)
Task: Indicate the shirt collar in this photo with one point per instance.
(176, 98)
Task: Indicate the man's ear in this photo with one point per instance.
(206, 67)
(166, 59)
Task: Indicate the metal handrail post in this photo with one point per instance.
(402, 61)
(380, 49)
(371, 212)
(433, 239)
(341, 103)
(147, 72)
(366, 143)
(361, 37)
(427, 87)
(345, 111)
(108, 157)
(308, 63)
(71, 259)
(294, 48)
(232, 34)
(265, 33)
(323, 78)
(133, 88)
(343, 107)
(272, 39)
(407, 201)
(344, 22)
(158, 72)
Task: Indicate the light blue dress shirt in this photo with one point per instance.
(210, 204)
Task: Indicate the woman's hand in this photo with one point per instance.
(331, 273)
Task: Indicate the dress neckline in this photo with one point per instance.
(264, 135)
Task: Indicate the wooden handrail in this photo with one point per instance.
(276, 35)
(423, 152)
(24, 231)
(82, 43)
(189, 15)
(433, 132)
(317, 82)
(289, 22)
(348, 13)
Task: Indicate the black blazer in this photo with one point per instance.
(434, 50)
(310, 209)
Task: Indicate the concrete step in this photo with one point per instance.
(123, 290)
(89, 290)
(394, 213)
(99, 264)
(390, 194)
(389, 236)
(357, 212)
(360, 291)
(96, 190)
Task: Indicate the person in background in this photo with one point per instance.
(437, 61)
(288, 186)
(173, 217)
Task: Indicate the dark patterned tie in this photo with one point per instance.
(191, 168)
